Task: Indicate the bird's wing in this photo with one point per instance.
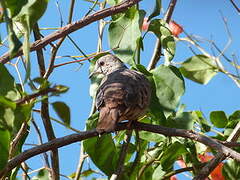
(110, 102)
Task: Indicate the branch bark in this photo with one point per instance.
(35, 95)
(74, 27)
(219, 157)
(66, 140)
(158, 48)
(51, 136)
(235, 6)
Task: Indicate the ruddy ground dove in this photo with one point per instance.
(123, 94)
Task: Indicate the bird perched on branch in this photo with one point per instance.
(123, 94)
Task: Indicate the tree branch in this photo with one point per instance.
(117, 175)
(235, 6)
(40, 56)
(219, 157)
(74, 27)
(51, 136)
(158, 48)
(37, 94)
(66, 140)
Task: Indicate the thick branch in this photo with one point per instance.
(59, 142)
(219, 157)
(74, 27)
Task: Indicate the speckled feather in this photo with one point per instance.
(123, 94)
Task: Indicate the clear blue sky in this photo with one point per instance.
(198, 17)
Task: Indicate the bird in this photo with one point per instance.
(123, 94)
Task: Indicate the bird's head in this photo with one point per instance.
(107, 64)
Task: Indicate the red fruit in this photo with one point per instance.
(216, 174)
(173, 177)
(175, 28)
(145, 24)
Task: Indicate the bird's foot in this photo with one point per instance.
(129, 124)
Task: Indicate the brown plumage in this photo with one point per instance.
(123, 94)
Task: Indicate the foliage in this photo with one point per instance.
(149, 155)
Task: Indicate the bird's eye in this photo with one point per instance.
(101, 63)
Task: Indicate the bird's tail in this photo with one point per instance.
(108, 119)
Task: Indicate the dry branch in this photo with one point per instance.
(66, 140)
(74, 27)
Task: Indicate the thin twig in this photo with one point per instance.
(16, 140)
(45, 156)
(229, 42)
(235, 6)
(53, 57)
(147, 164)
(25, 169)
(80, 163)
(75, 61)
(40, 56)
(157, 49)
(178, 171)
(101, 26)
(117, 175)
(138, 151)
(51, 136)
(71, 8)
(35, 95)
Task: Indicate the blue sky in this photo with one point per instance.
(198, 17)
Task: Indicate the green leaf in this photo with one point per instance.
(15, 6)
(7, 103)
(43, 174)
(6, 118)
(156, 10)
(101, 150)
(14, 42)
(169, 86)
(4, 147)
(182, 120)
(11, 119)
(158, 173)
(22, 114)
(25, 20)
(169, 48)
(231, 170)
(233, 119)
(199, 68)
(151, 137)
(142, 69)
(61, 88)
(171, 154)
(218, 118)
(198, 117)
(87, 173)
(7, 84)
(124, 34)
(159, 28)
(31, 12)
(63, 111)
(113, 2)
